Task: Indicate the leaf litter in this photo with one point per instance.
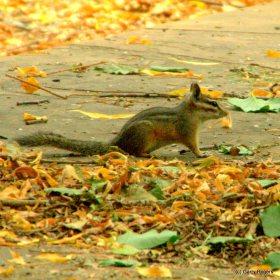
(212, 208)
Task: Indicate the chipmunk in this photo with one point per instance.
(147, 131)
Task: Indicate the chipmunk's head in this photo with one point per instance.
(205, 108)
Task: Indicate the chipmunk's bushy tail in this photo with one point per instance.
(56, 140)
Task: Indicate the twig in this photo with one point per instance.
(37, 86)
(264, 66)
(75, 68)
(22, 202)
(123, 94)
(32, 102)
(68, 161)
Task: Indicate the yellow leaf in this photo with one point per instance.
(214, 94)
(10, 192)
(20, 222)
(261, 93)
(104, 116)
(69, 172)
(273, 54)
(154, 271)
(28, 242)
(138, 40)
(8, 234)
(186, 74)
(32, 85)
(51, 181)
(67, 240)
(30, 71)
(180, 92)
(30, 117)
(198, 4)
(53, 257)
(16, 258)
(226, 122)
(262, 267)
(6, 271)
(194, 62)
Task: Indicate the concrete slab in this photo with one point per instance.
(234, 40)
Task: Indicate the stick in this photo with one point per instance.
(22, 202)
(42, 88)
(32, 102)
(75, 68)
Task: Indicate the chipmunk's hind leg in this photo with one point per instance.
(136, 140)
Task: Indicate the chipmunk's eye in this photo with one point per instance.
(213, 103)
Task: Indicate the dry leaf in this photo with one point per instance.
(54, 257)
(16, 258)
(154, 271)
(30, 71)
(213, 94)
(261, 93)
(186, 74)
(226, 122)
(104, 116)
(6, 272)
(273, 53)
(29, 117)
(138, 40)
(32, 85)
(180, 92)
(24, 172)
(201, 63)
(69, 172)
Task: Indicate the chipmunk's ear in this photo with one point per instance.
(195, 91)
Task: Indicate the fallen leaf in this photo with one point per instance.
(6, 272)
(253, 104)
(29, 117)
(155, 271)
(104, 116)
(31, 86)
(16, 258)
(261, 93)
(117, 69)
(186, 74)
(200, 63)
(119, 263)
(54, 257)
(226, 122)
(273, 53)
(30, 71)
(133, 39)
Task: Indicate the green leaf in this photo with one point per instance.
(273, 260)
(117, 69)
(149, 239)
(120, 263)
(136, 193)
(228, 239)
(161, 183)
(169, 69)
(125, 249)
(270, 218)
(253, 104)
(157, 192)
(97, 184)
(65, 191)
(265, 183)
(170, 169)
(242, 150)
